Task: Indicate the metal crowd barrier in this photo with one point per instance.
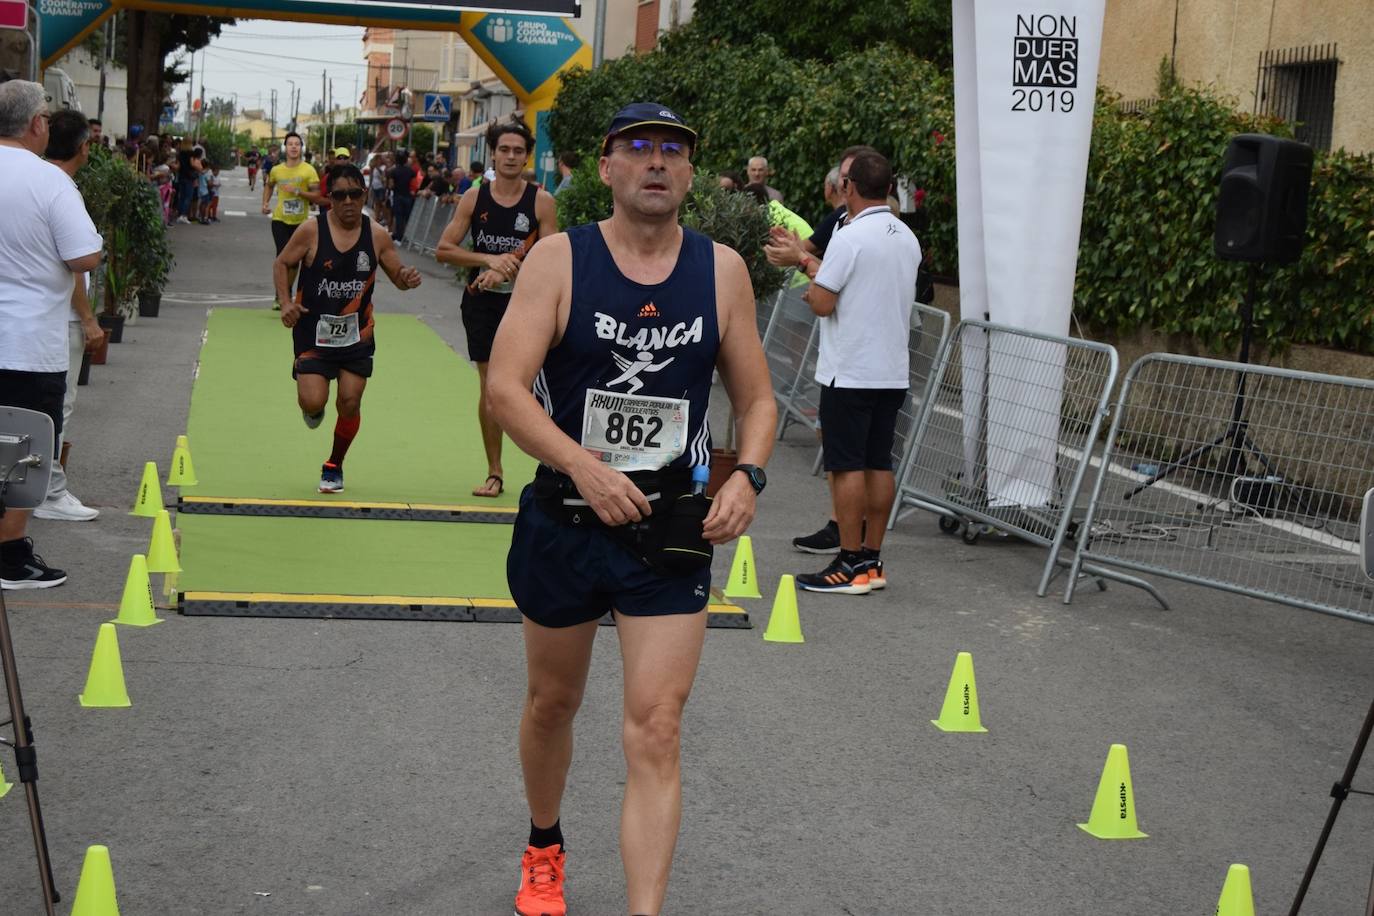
(1003, 442)
(788, 342)
(426, 224)
(1258, 496)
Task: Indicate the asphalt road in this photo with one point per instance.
(355, 767)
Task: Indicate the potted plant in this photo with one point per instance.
(152, 255)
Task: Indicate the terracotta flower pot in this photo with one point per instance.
(100, 350)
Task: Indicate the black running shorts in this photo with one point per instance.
(40, 391)
(563, 575)
(482, 314)
(860, 426)
(329, 368)
(282, 232)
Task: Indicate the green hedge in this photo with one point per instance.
(754, 99)
(1146, 256)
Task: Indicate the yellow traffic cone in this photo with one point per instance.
(1236, 898)
(1113, 815)
(162, 551)
(105, 681)
(136, 608)
(149, 499)
(744, 580)
(183, 472)
(783, 623)
(4, 786)
(960, 712)
(95, 893)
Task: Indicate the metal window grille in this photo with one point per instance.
(1136, 106)
(1298, 85)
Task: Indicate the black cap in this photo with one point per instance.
(645, 114)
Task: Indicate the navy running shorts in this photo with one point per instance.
(860, 427)
(329, 368)
(562, 575)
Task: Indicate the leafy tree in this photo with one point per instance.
(825, 30)
(149, 39)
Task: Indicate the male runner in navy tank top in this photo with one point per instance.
(616, 328)
(331, 316)
(503, 218)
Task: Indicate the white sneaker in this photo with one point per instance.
(66, 508)
(181, 220)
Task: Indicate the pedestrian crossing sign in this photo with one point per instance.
(438, 107)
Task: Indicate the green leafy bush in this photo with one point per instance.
(1146, 258)
(128, 215)
(754, 99)
(730, 218)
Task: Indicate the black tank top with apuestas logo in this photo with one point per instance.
(635, 347)
(336, 292)
(502, 230)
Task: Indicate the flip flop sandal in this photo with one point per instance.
(500, 486)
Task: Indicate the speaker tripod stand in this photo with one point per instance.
(1339, 793)
(1236, 437)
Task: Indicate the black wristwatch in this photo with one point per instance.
(757, 479)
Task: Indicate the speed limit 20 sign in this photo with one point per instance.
(397, 129)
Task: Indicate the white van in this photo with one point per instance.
(60, 89)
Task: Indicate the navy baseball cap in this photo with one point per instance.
(645, 114)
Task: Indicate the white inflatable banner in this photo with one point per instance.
(1025, 78)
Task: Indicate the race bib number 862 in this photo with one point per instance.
(634, 432)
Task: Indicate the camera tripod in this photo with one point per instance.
(1339, 792)
(25, 757)
(1236, 437)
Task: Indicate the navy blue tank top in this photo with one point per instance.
(627, 339)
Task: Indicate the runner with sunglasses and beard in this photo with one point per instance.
(331, 316)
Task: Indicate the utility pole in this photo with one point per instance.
(290, 102)
(274, 114)
(190, 88)
(105, 54)
(599, 34)
(324, 104)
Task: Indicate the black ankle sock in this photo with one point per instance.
(868, 553)
(541, 837)
(851, 556)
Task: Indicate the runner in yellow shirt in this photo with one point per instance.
(297, 185)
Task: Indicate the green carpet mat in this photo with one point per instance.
(308, 556)
(419, 441)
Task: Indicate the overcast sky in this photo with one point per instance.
(258, 55)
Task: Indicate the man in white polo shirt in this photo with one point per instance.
(863, 293)
(46, 240)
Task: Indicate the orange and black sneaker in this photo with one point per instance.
(839, 577)
(541, 882)
(873, 568)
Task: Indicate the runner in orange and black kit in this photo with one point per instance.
(504, 217)
(331, 316)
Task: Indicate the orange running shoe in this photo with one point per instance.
(541, 882)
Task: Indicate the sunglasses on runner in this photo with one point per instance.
(642, 149)
(348, 194)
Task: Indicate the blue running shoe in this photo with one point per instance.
(331, 478)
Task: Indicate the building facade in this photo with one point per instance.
(1310, 62)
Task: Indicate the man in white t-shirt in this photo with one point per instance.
(69, 143)
(863, 293)
(46, 240)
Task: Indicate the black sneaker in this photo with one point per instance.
(825, 541)
(22, 568)
(838, 577)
